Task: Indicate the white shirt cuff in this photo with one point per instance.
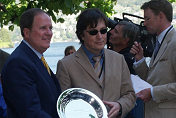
(136, 64)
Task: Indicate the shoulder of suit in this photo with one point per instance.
(69, 57)
(172, 35)
(111, 52)
(171, 40)
(3, 53)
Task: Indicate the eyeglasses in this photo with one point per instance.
(94, 31)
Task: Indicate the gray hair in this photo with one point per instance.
(129, 30)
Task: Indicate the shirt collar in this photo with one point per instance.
(89, 54)
(161, 35)
(35, 51)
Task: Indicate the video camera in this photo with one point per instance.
(146, 39)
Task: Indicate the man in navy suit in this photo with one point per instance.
(30, 91)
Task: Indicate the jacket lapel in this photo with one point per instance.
(107, 67)
(83, 60)
(39, 65)
(162, 48)
(160, 52)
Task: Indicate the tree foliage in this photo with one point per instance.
(172, 1)
(11, 10)
(5, 38)
(4, 35)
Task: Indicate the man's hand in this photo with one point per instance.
(137, 50)
(114, 108)
(145, 95)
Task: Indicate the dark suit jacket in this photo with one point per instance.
(128, 58)
(29, 91)
(3, 58)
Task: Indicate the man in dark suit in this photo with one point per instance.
(30, 87)
(112, 83)
(160, 100)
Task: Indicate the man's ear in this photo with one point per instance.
(161, 15)
(26, 32)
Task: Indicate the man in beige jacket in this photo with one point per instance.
(160, 100)
(112, 84)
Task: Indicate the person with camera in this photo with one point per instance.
(99, 70)
(160, 100)
(122, 37)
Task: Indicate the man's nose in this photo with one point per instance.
(49, 31)
(99, 35)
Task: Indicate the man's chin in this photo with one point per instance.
(101, 47)
(46, 47)
(151, 31)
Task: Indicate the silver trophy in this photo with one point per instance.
(80, 103)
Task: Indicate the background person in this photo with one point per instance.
(3, 57)
(112, 84)
(122, 38)
(29, 89)
(160, 100)
(69, 50)
(3, 108)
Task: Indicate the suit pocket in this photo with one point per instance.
(163, 59)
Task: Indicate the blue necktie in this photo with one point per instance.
(157, 46)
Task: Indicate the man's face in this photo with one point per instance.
(152, 21)
(39, 36)
(116, 37)
(95, 43)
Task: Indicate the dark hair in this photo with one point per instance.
(129, 30)
(27, 18)
(67, 49)
(158, 6)
(89, 17)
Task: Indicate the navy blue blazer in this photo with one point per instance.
(28, 89)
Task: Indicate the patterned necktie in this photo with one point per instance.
(45, 64)
(97, 66)
(157, 46)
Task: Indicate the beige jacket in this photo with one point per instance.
(77, 71)
(161, 74)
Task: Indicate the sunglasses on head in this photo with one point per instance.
(94, 31)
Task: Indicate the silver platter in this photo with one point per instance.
(80, 103)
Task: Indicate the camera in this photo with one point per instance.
(146, 39)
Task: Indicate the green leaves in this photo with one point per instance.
(14, 9)
(172, 1)
(61, 20)
(11, 27)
